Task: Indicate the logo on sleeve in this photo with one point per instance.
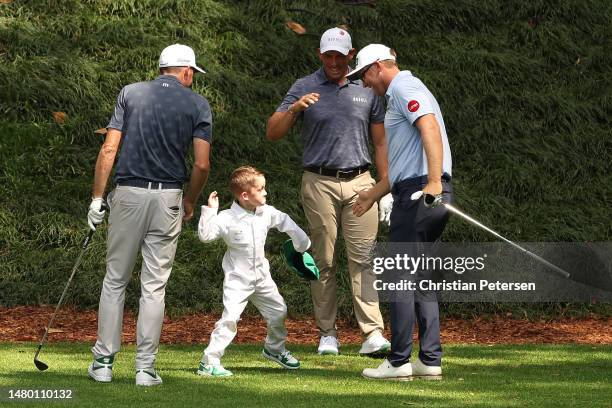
(413, 106)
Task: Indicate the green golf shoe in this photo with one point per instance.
(285, 359)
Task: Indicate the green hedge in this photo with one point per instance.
(524, 87)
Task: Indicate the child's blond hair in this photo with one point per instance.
(243, 178)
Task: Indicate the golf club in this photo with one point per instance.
(39, 364)
(436, 200)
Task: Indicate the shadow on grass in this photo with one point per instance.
(503, 376)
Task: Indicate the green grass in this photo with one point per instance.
(474, 375)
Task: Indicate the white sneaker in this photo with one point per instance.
(375, 344)
(386, 371)
(421, 370)
(147, 377)
(328, 345)
(209, 370)
(101, 369)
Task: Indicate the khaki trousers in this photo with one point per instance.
(328, 206)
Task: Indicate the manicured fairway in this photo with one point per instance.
(474, 375)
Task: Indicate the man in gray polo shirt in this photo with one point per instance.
(339, 116)
(156, 123)
(419, 163)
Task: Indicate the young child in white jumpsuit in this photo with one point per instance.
(244, 227)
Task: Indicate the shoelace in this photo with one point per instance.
(329, 341)
(286, 355)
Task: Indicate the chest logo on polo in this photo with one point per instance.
(359, 99)
(413, 106)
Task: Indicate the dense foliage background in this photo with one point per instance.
(524, 86)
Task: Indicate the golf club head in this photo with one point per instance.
(429, 200)
(40, 365)
(432, 201)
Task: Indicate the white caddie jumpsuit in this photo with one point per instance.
(247, 272)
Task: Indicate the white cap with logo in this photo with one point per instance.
(178, 55)
(336, 39)
(369, 55)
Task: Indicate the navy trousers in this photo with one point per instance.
(412, 222)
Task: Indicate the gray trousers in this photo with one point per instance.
(148, 220)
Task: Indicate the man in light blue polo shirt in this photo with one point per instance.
(339, 117)
(419, 160)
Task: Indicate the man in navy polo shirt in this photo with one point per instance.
(156, 123)
(339, 116)
(419, 161)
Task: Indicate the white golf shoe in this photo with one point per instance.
(147, 377)
(385, 371)
(429, 372)
(217, 370)
(374, 345)
(101, 369)
(328, 345)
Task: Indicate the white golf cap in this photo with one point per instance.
(336, 39)
(369, 55)
(178, 55)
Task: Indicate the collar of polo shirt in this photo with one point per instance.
(241, 212)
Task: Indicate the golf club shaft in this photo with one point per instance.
(74, 269)
(517, 246)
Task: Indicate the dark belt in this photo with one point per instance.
(413, 181)
(153, 185)
(340, 174)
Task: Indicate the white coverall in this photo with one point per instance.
(247, 272)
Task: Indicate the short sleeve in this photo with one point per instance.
(203, 123)
(116, 121)
(377, 113)
(293, 95)
(413, 102)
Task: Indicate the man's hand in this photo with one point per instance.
(188, 210)
(364, 202)
(95, 216)
(385, 205)
(433, 187)
(304, 102)
(213, 200)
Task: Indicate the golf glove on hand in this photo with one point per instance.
(384, 208)
(95, 216)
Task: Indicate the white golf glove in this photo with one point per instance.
(385, 205)
(95, 215)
